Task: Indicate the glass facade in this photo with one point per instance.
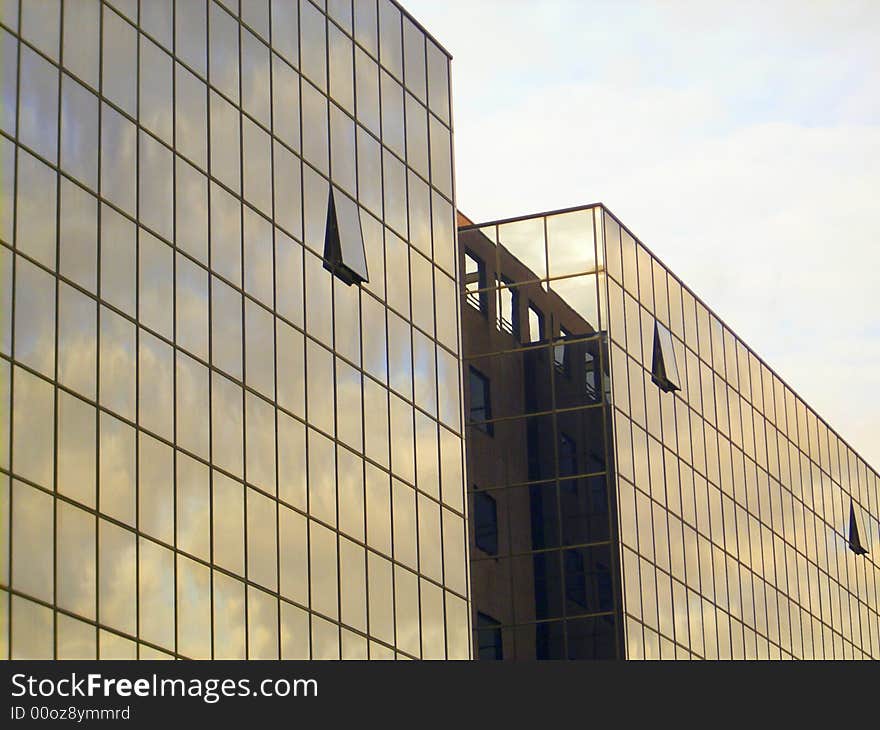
(211, 446)
(540, 475)
(731, 502)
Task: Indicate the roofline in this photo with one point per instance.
(422, 28)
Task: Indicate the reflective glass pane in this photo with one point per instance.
(193, 507)
(223, 31)
(156, 169)
(35, 209)
(225, 142)
(156, 88)
(226, 424)
(32, 541)
(191, 115)
(81, 45)
(116, 379)
(118, 157)
(78, 247)
(228, 526)
(38, 105)
(117, 588)
(119, 62)
(79, 132)
(77, 441)
(155, 488)
(156, 385)
(34, 317)
(156, 285)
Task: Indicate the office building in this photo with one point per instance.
(229, 348)
(641, 484)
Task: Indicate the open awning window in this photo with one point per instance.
(857, 532)
(664, 370)
(344, 253)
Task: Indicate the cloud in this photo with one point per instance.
(740, 143)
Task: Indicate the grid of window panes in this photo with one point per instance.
(543, 561)
(210, 446)
(734, 497)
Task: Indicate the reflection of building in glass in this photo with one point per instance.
(732, 521)
(210, 445)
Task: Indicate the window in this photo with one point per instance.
(536, 324)
(559, 358)
(489, 644)
(481, 404)
(508, 308)
(664, 370)
(590, 377)
(344, 253)
(475, 282)
(486, 523)
(856, 530)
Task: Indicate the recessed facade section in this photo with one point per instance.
(659, 491)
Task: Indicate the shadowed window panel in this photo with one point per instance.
(344, 253)
(856, 531)
(664, 370)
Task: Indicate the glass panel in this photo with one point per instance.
(38, 105)
(228, 523)
(156, 169)
(32, 541)
(156, 88)
(313, 44)
(225, 149)
(156, 385)
(191, 203)
(81, 44)
(255, 77)
(438, 82)
(35, 209)
(258, 274)
(156, 593)
(192, 406)
(288, 191)
(117, 563)
(285, 100)
(341, 68)
(229, 618)
(76, 449)
(192, 307)
(315, 133)
(367, 90)
(119, 62)
(262, 625)
(380, 596)
(293, 555)
(155, 488)
(262, 549)
(260, 443)
(156, 282)
(322, 478)
(79, 236)
(34, 317)
(223, 45)
(117, 364)
(118, 159)
(79, 132)
(193, 507)
(285, 35)
(193, 609)
(352, 584)
(323, 574)
(226, 332)
(118, 260)
(191, 112)
(225, 234)
(257, 167)
(226, 426)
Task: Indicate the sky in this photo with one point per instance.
(739, 141)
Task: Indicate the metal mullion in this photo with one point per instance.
(279, 641)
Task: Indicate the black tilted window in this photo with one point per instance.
(344, 253)
(856, 531)
(664, 369)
